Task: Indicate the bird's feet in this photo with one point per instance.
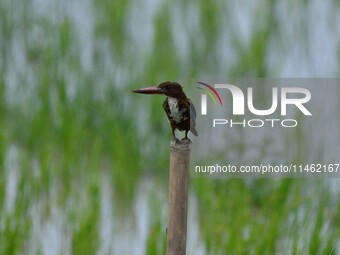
(186, 140)
(176, 140)
(183, 142)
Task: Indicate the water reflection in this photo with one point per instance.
(52, 51)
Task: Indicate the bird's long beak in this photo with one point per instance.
(150, 90)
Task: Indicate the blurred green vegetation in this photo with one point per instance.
(69, 125)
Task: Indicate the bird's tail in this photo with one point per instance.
(193, 130)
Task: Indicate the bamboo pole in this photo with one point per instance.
(178, 197)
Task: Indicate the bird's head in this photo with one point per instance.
(170, 89)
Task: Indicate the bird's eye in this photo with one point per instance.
(168, 87)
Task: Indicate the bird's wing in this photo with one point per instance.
(166, 108)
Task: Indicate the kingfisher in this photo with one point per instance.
(179, 109)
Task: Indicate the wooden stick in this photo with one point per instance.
(178, 197)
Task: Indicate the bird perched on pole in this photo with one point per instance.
(179, 109)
